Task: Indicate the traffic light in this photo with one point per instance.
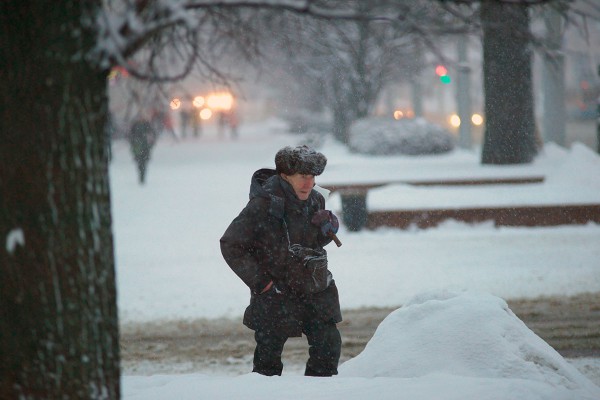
(442, 72)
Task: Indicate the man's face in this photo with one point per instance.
(302, 184)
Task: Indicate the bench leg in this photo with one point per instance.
(354, 211)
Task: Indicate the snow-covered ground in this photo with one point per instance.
(169, 267)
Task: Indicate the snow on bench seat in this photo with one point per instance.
(365, 187)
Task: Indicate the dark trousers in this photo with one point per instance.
(324, 342)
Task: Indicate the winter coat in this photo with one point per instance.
(256, 247)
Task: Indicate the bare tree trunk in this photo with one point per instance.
(341, 124)
(553, 73)
(510, 126)
(417, 83)
(58, 323)
(463, 93)
(339, 105)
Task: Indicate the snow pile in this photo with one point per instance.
(463, 334)
(577, 169)
(384, 136)
(446, 345)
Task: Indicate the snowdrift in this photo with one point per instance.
(444, 345)
(463, 334)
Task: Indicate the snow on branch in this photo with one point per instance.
(124, 30)
(124, 27)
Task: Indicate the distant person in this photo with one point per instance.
(196, 123)
(275, 245)
(163, 122)
(234, 123)
(186, 119)
(142, 137)
(168, 124)
(221, 123)
(228, 121)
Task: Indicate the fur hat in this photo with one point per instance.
(301, 160)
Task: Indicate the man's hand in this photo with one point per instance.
(329, 224)
(325, 220)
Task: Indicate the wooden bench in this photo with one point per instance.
(549, 215)
(354, 197)
(364, 187)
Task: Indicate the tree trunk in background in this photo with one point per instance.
(510, 125)
(463, 93)
(553, 78)
(339, 106)
(341, 124)
(417, 83)
(58, 323)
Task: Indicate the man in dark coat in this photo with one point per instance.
(275, 245)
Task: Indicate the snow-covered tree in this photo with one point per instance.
(57, 293)
(511, 135)
(349, 61)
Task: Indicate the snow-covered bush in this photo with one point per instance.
(387, 136)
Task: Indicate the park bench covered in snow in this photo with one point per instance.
(505, 205)
(354, 186)
(354, 198)
(425, 192)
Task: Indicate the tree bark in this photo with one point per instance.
(340, 108)
(510, 126)
(553, 75)
(58, 325)
(463, 93)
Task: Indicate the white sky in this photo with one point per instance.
(169, 264)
